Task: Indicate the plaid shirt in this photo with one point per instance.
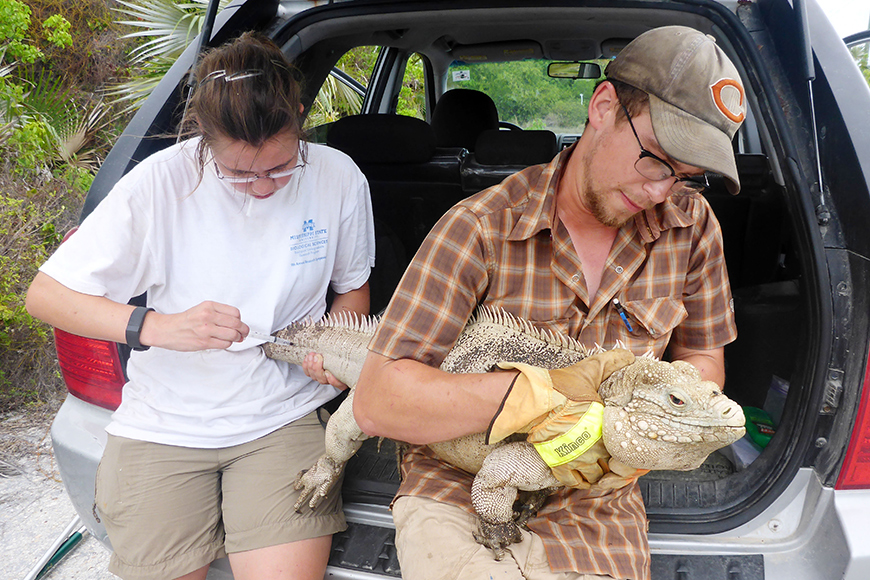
(505, 248)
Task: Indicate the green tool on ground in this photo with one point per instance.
(70, 537)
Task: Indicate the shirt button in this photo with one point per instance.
(576, 277)
(619, 270)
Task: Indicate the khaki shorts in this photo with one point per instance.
(171, 510)
(435, 542)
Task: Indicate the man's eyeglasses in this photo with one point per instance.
(655, 168)
(252, 177)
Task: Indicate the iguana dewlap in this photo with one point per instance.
(657, 415)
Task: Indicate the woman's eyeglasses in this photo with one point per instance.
(252, 177)
(655, 168)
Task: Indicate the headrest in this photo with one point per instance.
(459, 117)
(526, 148)
(383, 139)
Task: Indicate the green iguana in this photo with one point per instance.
(657, 415)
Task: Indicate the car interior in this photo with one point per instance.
(418, 168)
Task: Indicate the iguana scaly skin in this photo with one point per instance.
(657, 415)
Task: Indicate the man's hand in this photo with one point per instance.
(570, 441)
(537, 391)
(209, 325)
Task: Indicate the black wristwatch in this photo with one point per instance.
(134, 328)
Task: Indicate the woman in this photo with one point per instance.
(242, 227)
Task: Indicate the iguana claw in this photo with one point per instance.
(316, 482)
(497, 537)
(528, 504)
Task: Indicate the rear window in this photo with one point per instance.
(525, 96)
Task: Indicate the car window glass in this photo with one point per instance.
(412, 97)
(343, 90)
(525, 96)
(859, 46)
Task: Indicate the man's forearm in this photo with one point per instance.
(413, 402)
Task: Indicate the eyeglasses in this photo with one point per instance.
(251, 178)
(655, 168)
(230, 77)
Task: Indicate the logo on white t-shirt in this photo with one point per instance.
(309, 245)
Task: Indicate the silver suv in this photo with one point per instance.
(792, 500)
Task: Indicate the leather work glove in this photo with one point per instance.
(569, 441)
(536, 391)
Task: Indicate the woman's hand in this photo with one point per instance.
(312, 364)
(209, 325)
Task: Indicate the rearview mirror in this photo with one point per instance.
(574, 70)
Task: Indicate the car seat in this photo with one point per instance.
(460, 115)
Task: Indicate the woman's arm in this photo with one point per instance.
(209, 325)
(353, 301)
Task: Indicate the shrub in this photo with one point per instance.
(32, 217)
(52, 133)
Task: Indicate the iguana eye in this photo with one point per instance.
(676, 401)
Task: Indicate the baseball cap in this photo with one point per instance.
(697, 100)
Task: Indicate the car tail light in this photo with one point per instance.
(855, 473)
(91, 368)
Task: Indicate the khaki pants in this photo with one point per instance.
(435, 542)
(171, 510)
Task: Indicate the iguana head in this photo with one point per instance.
(661, 415)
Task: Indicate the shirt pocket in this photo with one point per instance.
(653, 318)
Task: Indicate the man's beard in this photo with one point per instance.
(596, 200)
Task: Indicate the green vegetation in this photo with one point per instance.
(164, 28)
(71, 74)
(336, 100)
(54, 57)
(861, 54)
(522, 91)
(524, 95)
(412, 99)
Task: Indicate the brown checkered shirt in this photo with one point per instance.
(505, 248)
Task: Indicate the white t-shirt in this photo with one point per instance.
(183, 241)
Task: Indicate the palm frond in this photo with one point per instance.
(8, 103)
(6, 130)
(173, 25)
(46, 98)
(169, 27)
(131, 93)
(74, 139)
(334, 100)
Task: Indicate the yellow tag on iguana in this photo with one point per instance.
(576, 441)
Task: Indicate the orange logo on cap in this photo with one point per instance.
(720, 104)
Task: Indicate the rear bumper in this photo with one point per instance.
(78, 436)
(810, 532)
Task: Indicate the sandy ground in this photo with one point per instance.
(34, 508)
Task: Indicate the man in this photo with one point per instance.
(607, 242)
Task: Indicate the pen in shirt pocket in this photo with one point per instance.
(621, 311)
